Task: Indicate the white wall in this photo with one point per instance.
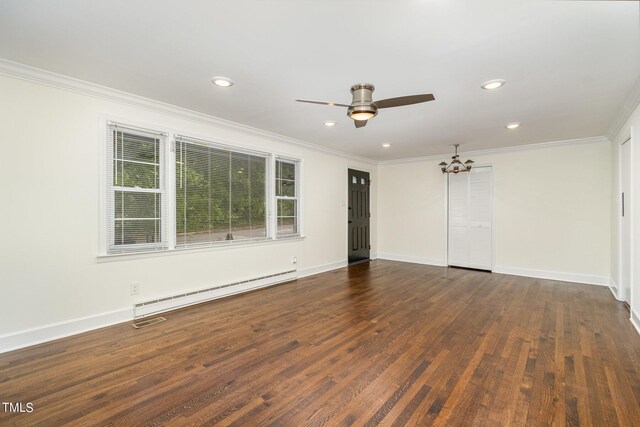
(50, 210)
(411, 212)
(552, 211)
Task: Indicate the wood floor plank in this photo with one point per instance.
(381, 343)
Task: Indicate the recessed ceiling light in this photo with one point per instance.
(493, 84)
(512, 125)
(222, 81)
(386, 145)
(329, 123)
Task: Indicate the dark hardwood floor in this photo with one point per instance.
(384, 343)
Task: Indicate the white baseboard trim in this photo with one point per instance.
(635, 320)
(555, 275)
(42, 334)
(613, 287)
(625, 294)
(310, 271)
(38, 335)
(619, 293)
(412, 259)
(526, 272)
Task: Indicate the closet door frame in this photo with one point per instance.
(493, 215)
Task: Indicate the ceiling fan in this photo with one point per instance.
(363, 108)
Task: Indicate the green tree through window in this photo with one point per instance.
(220, 195)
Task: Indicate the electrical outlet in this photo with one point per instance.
(294, 260)
(135, 288)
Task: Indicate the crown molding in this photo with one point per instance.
(60, 81)
(502, 150)
(631, 102)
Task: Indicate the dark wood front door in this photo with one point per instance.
(359, 216)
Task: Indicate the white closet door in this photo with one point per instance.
(458, 218)
(470, 219)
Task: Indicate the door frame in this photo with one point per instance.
(633, 317)
(493, 215)
(345, 205)
(620, 294)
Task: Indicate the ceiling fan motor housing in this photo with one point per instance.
(362, 102)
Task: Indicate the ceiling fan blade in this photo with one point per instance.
(332, 104)
(404, 100)
(360, 123)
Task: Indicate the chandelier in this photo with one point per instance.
(456, 165)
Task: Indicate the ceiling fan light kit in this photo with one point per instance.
(363, 108)
(456, 166)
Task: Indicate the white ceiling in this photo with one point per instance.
(568, 64)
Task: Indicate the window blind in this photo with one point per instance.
(287, 198)
(135, 190)
(220, 194)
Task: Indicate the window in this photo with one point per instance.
(135, 176)
(220, 194)
(166, 191)
(287, 198)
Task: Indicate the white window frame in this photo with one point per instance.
(297, 166)
(234, 149)
(168, 193)
(111, 248)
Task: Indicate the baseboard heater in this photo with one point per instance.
(173, 302)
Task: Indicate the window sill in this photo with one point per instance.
(182, 251)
